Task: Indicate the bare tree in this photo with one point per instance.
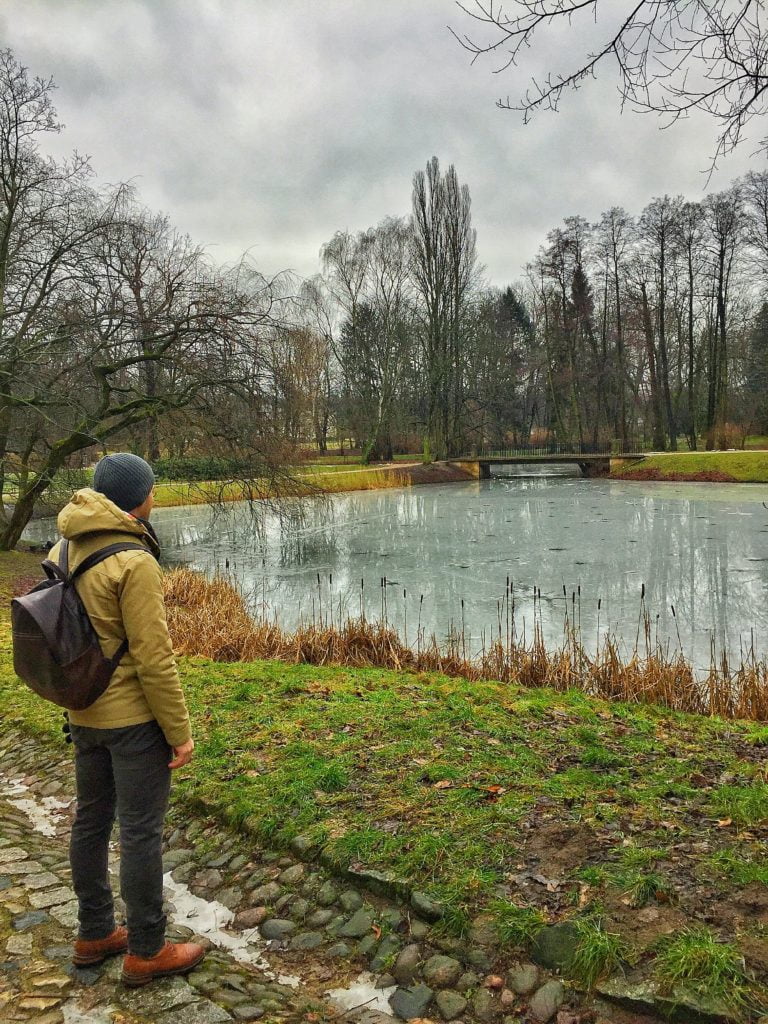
(670, 56)
(444, 265)
(725, 218)
(107, 318)
(613, 238)
(369, 273)
(755, 194)
(658, 227)
(690, 241)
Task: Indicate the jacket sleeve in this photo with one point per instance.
(142, 606)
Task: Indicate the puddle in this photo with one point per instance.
(361, 995)
(210, 918)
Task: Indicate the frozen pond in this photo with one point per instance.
(700, 547)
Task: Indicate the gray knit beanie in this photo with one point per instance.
(125, 479)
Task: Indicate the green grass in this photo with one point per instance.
(598, 952)
(758, 736)
(744, 805)
(517, 926)
(738, 867)
(697, 960)
(741, 466)
(640, 887)
(359, 760)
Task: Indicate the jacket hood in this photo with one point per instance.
(90, 512)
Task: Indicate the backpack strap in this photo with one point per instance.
(94, 559)
(103, 553)
(58, 570)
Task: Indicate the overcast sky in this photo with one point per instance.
(267, 125)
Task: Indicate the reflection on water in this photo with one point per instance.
(701, 548)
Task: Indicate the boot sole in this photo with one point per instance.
(93, 961)
(137, 980)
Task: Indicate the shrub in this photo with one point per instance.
(728, 435)
(202, 467)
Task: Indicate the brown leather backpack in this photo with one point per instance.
(56, 650)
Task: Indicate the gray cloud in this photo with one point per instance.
(269, 124)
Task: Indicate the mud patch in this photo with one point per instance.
(560, 849)
(642, 927)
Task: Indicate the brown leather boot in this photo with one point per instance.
(96, 951)
(173, 958)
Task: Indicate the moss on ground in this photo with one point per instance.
(734, 467)
(530, 804)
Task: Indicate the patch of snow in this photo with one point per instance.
(43, 812)
(40, 813)
(75, 1014)
(209, 918)
(361, 995)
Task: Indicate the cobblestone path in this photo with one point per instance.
(38, 921)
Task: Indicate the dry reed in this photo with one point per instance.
(211, 618)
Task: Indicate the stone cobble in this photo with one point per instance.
(288, 940)
(38, 920)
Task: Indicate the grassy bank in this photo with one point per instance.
(312, 480)
(718, 467)
(307, 479)
(526, 805)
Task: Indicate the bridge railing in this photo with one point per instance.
(556, 448)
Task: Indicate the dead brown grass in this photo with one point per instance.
(210, 618)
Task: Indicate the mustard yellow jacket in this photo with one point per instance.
(123, 596)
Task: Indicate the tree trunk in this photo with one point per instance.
(692, 433)
(664, 357)
(656, 407)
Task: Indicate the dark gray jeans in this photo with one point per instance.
(123, 771)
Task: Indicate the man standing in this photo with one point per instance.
(128, 741)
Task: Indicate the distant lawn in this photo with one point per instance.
(726, 467)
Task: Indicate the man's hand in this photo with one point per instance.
(182, 754)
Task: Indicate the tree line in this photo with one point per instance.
(634, 331)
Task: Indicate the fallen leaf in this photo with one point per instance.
(550, 884)
(376, 930)
(443, 784)
(724, 822)
(492, 793)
